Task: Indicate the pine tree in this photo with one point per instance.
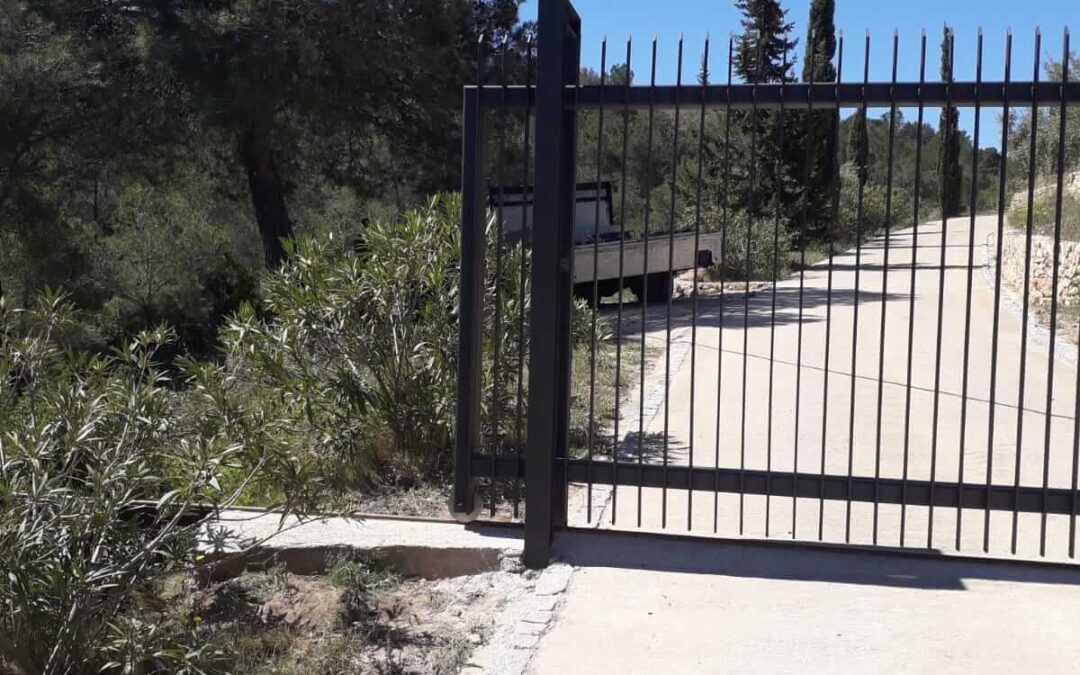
(761, 56)
(950, 172)
(760, 50)
(820, 127)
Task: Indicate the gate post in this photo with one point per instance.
(470, 319)
(558, 59)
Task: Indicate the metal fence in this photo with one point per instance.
(917, 387)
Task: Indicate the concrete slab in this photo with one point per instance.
(648, 604)
(414, 547)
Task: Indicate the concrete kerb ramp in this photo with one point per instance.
(236, 540)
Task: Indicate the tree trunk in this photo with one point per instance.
(267, 194)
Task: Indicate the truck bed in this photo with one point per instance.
(634, 251)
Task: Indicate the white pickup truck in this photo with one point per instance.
(601, 242)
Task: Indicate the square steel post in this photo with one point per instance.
(470, 364)
(558, 59)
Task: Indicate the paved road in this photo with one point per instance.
(739, 424)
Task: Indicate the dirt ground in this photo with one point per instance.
(354, 619)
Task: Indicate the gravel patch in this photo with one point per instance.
(515, 630)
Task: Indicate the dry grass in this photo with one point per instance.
(426, 501)
(357, 618)
(603, 404)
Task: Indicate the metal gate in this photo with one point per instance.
(916, 387)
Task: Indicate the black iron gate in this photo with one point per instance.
(925, 393)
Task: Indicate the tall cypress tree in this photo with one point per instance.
(858, 145)
(820, 43)
(820, 126)
(950, 174)
(761, 56)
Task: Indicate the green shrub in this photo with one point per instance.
(1044, 214)
(344, 377)
(83, 438)
(350, 369)
(768, 247)
(874, 216)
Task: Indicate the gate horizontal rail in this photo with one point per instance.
(824, 96)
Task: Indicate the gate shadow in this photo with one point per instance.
(649, 447)
(797, 562)
(758, 311)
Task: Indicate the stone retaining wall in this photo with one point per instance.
(1042, 268)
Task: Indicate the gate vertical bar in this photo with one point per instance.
(882, 332)
(525, 224)
(723, 264)
(1052, 342)
(1025, 310)
(500, 197)
(558, 56)
(831, 236)
(863, 164)
(595, 298)
(643, 297)
(1003, 173)
(470, 366)
(807, 158)
(616, 443)
(972, 210)
(670, 273)
(912, 296)
(947, 75)
(697, 251)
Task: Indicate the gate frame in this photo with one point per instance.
(557, 98)
(463, 503)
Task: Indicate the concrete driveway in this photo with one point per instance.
(646, 603)
(801, 430)
(661, 605)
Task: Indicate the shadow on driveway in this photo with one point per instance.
(797, 562)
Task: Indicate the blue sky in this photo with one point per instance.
(666, 19)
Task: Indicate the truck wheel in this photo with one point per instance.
(604, 288)
(584, 291)
(659, 288)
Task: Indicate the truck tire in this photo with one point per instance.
(659, 288)
(584, 291)
(604, 288)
